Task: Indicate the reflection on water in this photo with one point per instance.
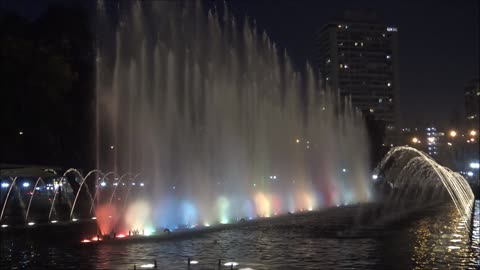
(435, 239)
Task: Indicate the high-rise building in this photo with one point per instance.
(357, 56)
(472, 103)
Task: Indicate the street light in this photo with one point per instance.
(453, 133)
(415, 140)
(473, 133)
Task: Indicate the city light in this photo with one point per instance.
(470, 173)
(452, 133)
(431, 139)
(473, 133)
(415, 140)
(474, 165)
(103, 184)
(26, 184)
(5, 185)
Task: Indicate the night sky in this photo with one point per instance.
(438, 47)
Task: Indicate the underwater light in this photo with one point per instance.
(4, 225)
(31, 223)
(231, 264)
(148, 265)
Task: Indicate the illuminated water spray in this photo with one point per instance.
(217, 120)
(414, 176)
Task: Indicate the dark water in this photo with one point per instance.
(432, 239)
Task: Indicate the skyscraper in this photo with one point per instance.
(472, 103)
(357, 56)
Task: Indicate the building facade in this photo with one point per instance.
(357, 57)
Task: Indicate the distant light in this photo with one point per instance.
(115, 184)
(206, 225)
(339, 26)
(148, 265)
(74, 219)
(344, 170)
(453, 133)
(86, 241)
(133, 184)
(431, 139)
(473, 133)
(392, 29)
(103, 184)
(5, 185)
(254, 184)
(31, 223)
(449, 144)
(470, 173)
(94, 217)
(389, 84)
(371, 110)
(121, 236)
(54, 221)
(453, 247)
(274, 177)
(111, 147)
(142, 184)
(374, 177)
(20, 132)
(474, 165)
(346, 66)
(415, 140)
(231, 264)
(388, 56)
(4, 225)
(173, 187)
(193, 262)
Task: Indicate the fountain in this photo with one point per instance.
(410, 179)
(217, 120)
